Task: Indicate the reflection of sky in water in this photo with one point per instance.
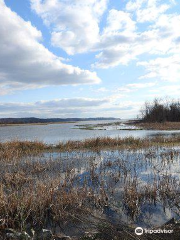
(115, 127)
(54, 133)
(145, 165)
(154, 216)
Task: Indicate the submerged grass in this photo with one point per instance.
(39, 191)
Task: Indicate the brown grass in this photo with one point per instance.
(26, 199)
(16, 149)
(158, 126)
(43, 193)
(119, 143)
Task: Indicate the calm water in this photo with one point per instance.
(116, 172)
(54, 133)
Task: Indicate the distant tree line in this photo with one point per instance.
(47, 120)
(161, 110)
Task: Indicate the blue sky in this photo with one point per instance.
(93, 58)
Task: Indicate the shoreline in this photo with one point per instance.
(132, 125)
(31, 124)
(137, 124)
(164, 126)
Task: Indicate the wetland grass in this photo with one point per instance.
(168, 126)
(35, 147)
(122, 143)
(42, 189)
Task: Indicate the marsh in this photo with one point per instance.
(123, 182)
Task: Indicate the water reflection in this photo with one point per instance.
(140, 187)
(54, 133)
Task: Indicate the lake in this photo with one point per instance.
(54, 133)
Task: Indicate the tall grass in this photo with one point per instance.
(17, 149)
(120, 143)
(39, 192)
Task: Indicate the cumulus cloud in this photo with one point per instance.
(71, 107)
(126, 40)
(115, 40)
(51, 108)
(119, 20)
(26, 63)
(76, 28)
(148, 10)
(167, 68)
(72, 103)
(75, 24)
(114, 56)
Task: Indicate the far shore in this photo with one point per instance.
(139, 124)
(135, 125)
(27, 124)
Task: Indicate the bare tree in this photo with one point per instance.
(161, 110)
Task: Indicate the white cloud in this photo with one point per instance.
(75, 23)
(134, 87)
(76, 27)
(124, 40)
(101, 90)
(72, 107)
(167, 68)
(26, 63)
(115, 40)
(148, 10)
(114, 56)
(119, 20)
(171, 91)
(72, 103)
(52, 108)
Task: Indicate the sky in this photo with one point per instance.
(87, 58)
